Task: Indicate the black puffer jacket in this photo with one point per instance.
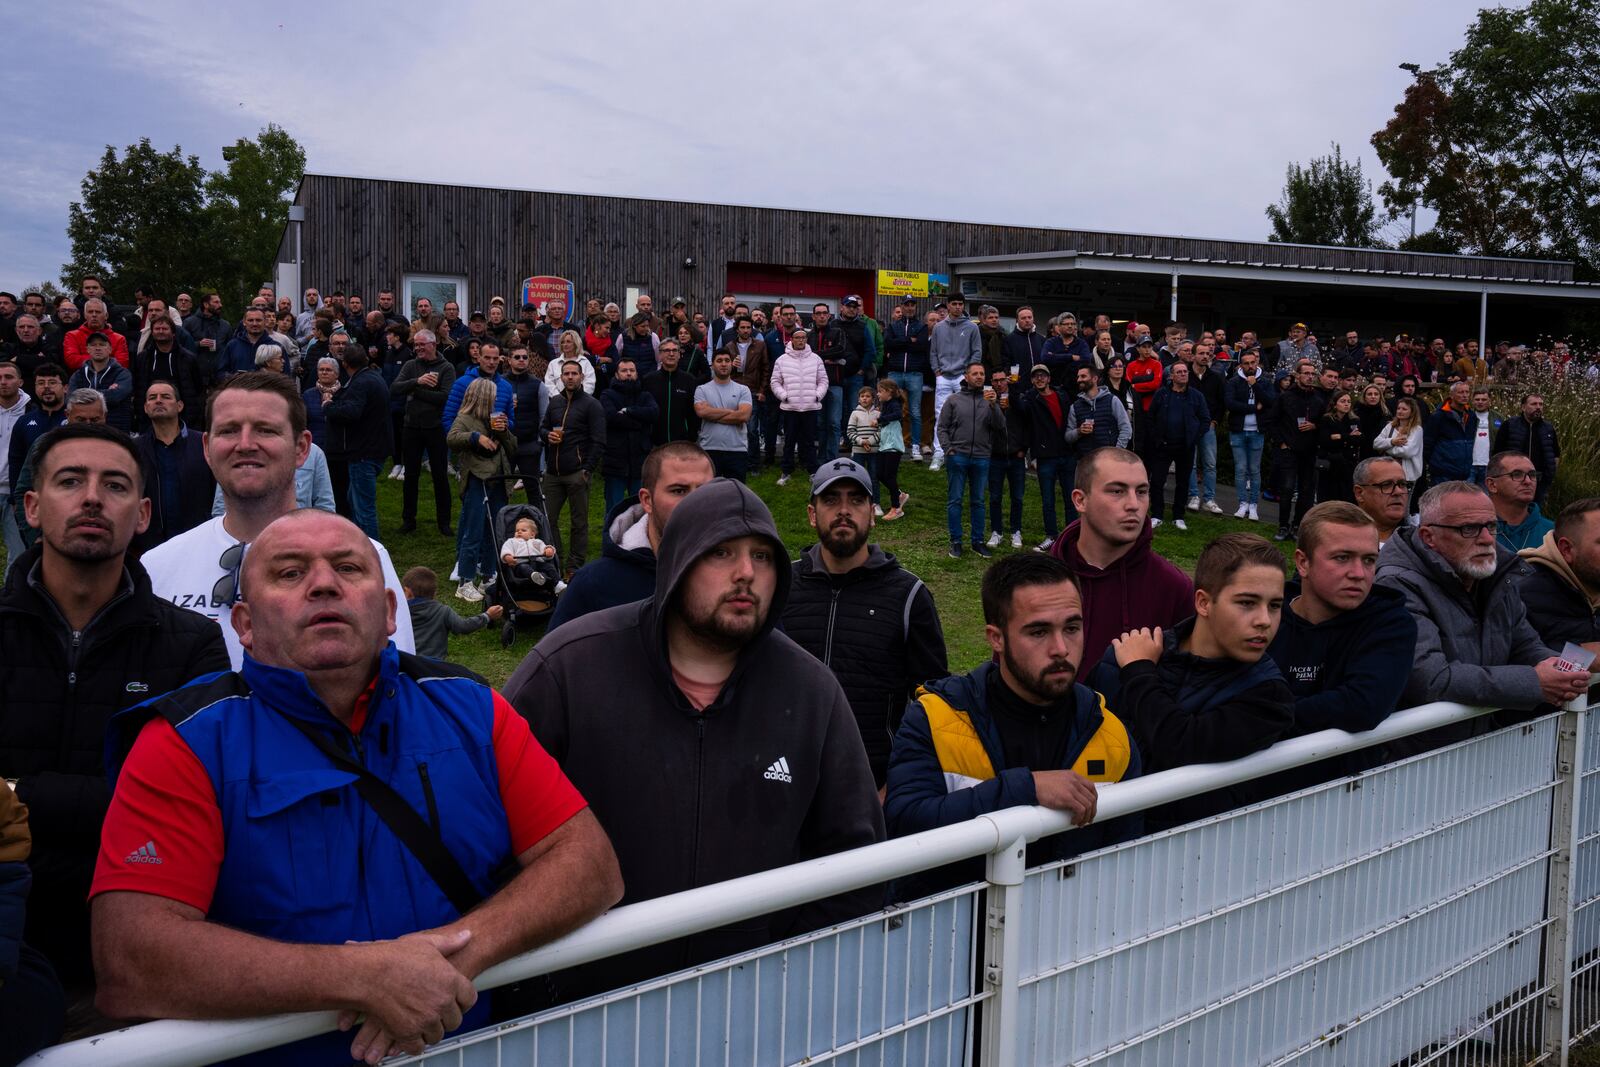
(59, 695)
(877, 629)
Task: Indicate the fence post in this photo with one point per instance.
(1558, 899)
(1001, 948)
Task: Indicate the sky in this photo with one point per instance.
(1147, 116)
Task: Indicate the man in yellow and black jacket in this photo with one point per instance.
(1018, 730)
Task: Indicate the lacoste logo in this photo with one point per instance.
(779, 771)
(136, 687)
(145, 853)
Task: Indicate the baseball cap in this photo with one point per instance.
(840, 470)
(1145, 342)
(909, 300)
(679, 301)
(97, 336)
(475, 316)
(1038, 369)
(853, 299)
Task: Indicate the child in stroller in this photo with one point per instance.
(529, 559)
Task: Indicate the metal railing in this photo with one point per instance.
(1427, 911)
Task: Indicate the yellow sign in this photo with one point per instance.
(902, 283)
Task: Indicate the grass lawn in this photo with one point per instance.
(919, 541)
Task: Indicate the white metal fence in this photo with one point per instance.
(1442, 909)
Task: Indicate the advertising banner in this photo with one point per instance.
(543, 288)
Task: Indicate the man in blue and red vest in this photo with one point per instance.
(308, 833)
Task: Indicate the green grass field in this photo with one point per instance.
(919, 541)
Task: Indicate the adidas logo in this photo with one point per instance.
(145, 853)
(778, 772)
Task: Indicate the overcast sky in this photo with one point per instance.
(1155, 116)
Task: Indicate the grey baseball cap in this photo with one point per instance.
(839, 470)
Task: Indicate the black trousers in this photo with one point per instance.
(1162, 459)
(339, 475)
(416, 441)
(1293, 470)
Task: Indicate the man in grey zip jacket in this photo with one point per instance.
(964, 433)
(713, 746)
(954, 346)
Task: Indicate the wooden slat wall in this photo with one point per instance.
(362, 234)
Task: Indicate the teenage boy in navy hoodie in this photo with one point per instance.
(1205, 691)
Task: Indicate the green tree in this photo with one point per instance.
(1325, 202)
(1503, 140)
(249, 203)
(141, 220)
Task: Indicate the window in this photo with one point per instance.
(630, 304)
(437, 288)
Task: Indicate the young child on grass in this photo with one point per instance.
(863, 434)
(433, 622)
(891, 445)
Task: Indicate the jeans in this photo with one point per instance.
(911, 383)
(364, 494)
(620, 489)
(1205, 467)
(730, 464)
(1002, 469)
(564, 490)
(429, 440)
(475, 547)
(832, 412)
(800, 429)
(1054, 473)
(965, 475)
(763, 427)
(1247, 447)
(1162, 460)
(943, 389)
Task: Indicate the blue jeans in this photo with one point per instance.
(620, 489)
(763, 427)
(364, 495)
(1205, 467)
(1053, 473)
(1247, 448)
(475, 547)
(965, 475)
(911, 383)
(829, 426)
(1001, 470)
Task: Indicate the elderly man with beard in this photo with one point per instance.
(1474, 642)
(1019, 729)
(712, 746)
(851, 605)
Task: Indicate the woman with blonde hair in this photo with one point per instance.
(1401, 439)
(484, 446)
(569, 345)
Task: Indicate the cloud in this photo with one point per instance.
(1158, 117)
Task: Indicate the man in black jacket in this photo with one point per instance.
(854, 607)
(1294, 460)
(84, 637)
(163, 359)
(843, 362)
(1561, 584)
(1535, 437)
(673, 389)
(360, 436)
(1046, 409)
(177, 478)
(424, 384)
(574, 433)
(630, 416)
(717, 747)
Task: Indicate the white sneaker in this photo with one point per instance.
(1180, 524)
(1155, 524)
(455, 572)
(1254, 516)
(561, 587)
(1211, 506)
(916, 453)
(877, 511)
(1194, 503)
(516, 486)
(1016, 538)
(1243, 509)
(427, 465)
(469, 592)
(937, 464)
(1045, 545)
(396, 473)
(994, 539)
(783, 479)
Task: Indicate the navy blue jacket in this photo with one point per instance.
(906, 343)
(1177, 420)
(34, 424)
(630, 416)
(619, 576)
(1447, 439)
(1064, 358)
(1024, 349)
(195, 487)
(359, 427)
(1237, 396)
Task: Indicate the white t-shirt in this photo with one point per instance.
(1480, 444)
(188, 571)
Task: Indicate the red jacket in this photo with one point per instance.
(75, 346)
(1145, 377)
(1140, 589)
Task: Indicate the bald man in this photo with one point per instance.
(354, 758)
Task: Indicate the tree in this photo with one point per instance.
(159, 219)
(1325, 202)
(1503, 140)
(47, 289)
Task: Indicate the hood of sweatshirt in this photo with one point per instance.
(1546, 554)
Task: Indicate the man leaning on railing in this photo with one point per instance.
(335, 826)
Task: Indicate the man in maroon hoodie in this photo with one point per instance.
(1125, 585)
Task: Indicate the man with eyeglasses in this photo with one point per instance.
(85, 637)
(256, 438)
(1474, 642)
(1382, 491)
(1535, 437)
(1519, 523)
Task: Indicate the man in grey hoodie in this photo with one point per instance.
(1474, 642)
(954, 346)
(965, 432)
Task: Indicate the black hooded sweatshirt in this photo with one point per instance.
(772, 772)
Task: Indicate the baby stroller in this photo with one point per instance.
(525, 601)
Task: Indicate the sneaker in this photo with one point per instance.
(1155, 524)
(469, 592)
(455, 572)
(937, 464)
(1254, 516)
(783, 479)
(955, 550)
(916, 453)
(1193, 504)
(396, 473)
(561, 587)
(905, 498)
(427, 465)
(892, 514)
(1211, 506)
(516, 486)
(1243, 510)
(877, 511)
(1282, 534)
(983, 550)
(1180, 524)
(994, 539)
(1046, 544)
(1016, 538)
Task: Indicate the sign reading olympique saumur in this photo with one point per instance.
(540, 289)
